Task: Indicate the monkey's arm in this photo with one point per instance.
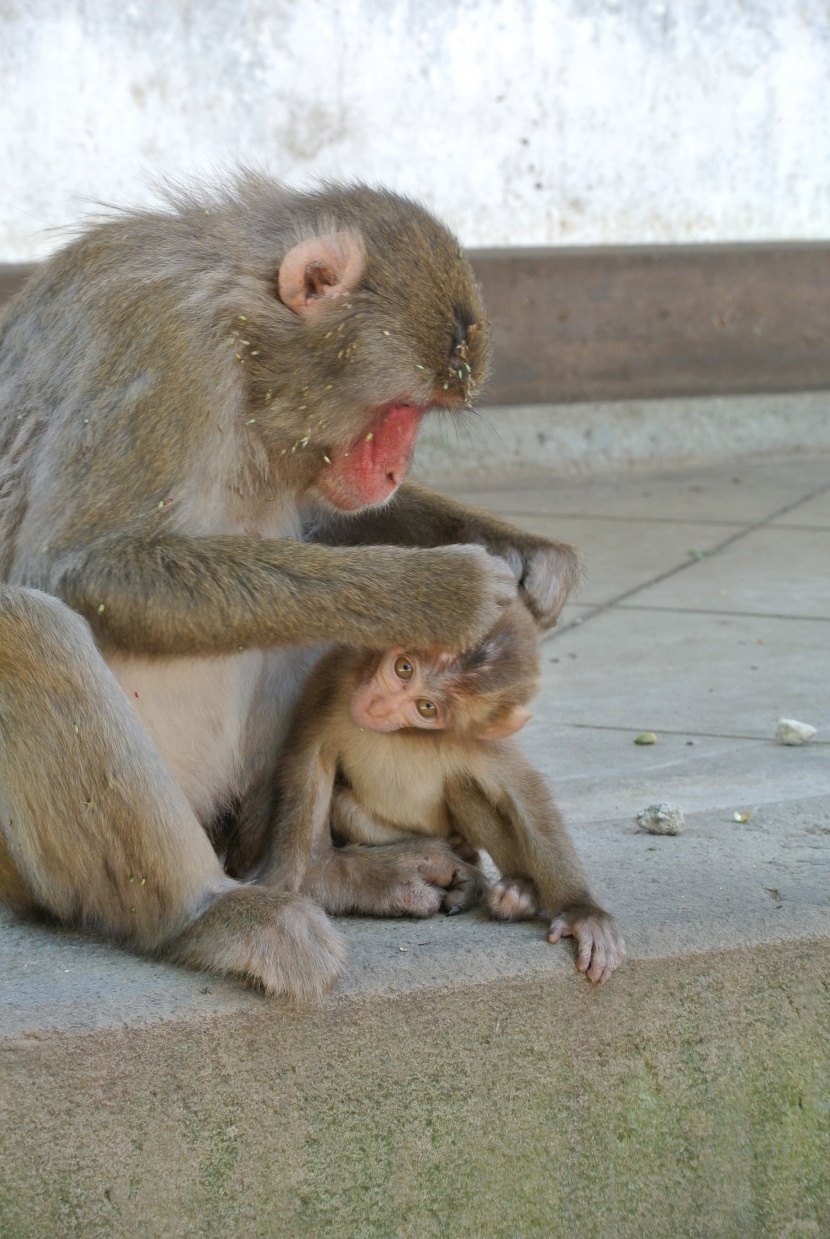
(547, 571)
(174, 594)
(513, 817)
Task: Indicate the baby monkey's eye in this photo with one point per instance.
(403, 668)
(426, 709)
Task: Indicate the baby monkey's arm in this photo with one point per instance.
(511, 814)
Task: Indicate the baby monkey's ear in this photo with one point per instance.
(505, 724)
(328, 265)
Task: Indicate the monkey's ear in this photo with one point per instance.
(506, 725)
(328, 265)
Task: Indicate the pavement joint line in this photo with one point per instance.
(804, 528)
(741, 533)
(707, 735)
(774, 615)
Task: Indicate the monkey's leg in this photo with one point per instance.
(352, 823)
(546, 571)
(515, 820)
(415, 877)
(94, 829)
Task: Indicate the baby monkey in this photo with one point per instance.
(390, 745)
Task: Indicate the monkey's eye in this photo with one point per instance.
(426, 708)
(403, 668)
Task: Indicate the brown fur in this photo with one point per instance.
(178, 389)
(343, 784)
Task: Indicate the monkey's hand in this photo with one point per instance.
(514, 899)
(600, 944)
(546, 572)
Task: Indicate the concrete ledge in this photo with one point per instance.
(689, 1098)
(600, 437)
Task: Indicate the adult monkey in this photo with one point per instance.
(205, 413)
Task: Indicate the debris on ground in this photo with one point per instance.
(662, 819)
(790, 731)
(741, 815)
(646, 737)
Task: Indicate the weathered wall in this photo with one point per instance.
(521, 121)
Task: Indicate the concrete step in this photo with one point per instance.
(464, 1080)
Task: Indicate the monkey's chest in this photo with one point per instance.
(400, 785)
(210, 717)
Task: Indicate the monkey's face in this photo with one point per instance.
(377, 318)
(400, 693)
(427, 693)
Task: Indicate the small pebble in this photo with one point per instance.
(790, 731)
(646, 737)
(662, 819)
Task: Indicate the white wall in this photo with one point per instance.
(521, 121)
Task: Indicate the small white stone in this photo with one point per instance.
(790, 731)
(662, 819)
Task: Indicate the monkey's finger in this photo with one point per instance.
(599, 959)
(559, 928)
(454, 903)
(468, 888)
(585, 952)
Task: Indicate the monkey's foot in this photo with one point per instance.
(514, 899)
(600, 944)
(283, 942)
(416, 877)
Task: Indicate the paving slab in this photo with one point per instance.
(795, 580)
(616, 556)
(463, 1080)
(812, 513)
(739, 491)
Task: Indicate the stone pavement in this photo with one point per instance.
(463, 1080)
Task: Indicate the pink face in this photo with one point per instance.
(397, 696)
